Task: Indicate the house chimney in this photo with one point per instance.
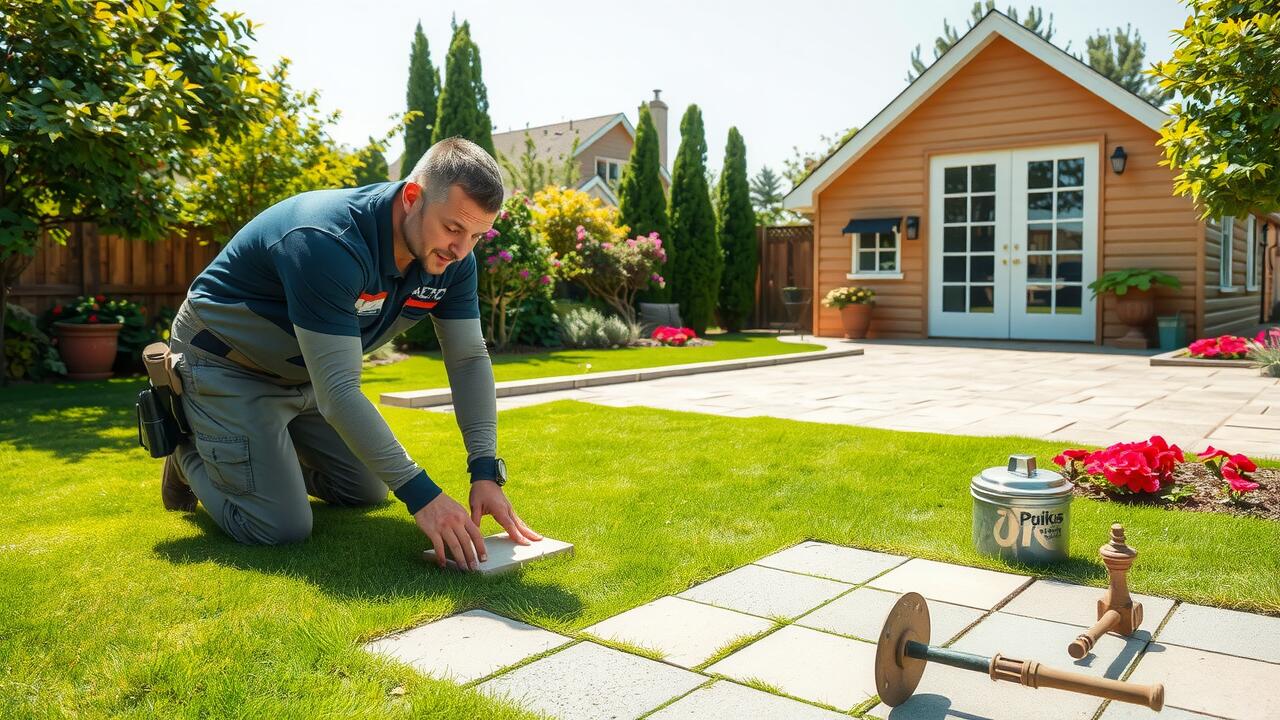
(658, 110)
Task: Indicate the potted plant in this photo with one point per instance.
(1134, 290)
(88, 332)
(854, 304)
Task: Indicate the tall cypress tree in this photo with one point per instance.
(642, 201)
(464, 101)
(422, 96)
(736, 230)
(697, 261)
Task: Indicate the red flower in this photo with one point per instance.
(100, 298)
(93, 318)
(1067, 456)
(57, 309)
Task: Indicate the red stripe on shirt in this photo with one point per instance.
(367, 296)
(415, 303)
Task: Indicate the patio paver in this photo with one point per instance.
(835, 562)
(725, 700)
(861, 613)
(1077, 604)
(1046, 641)
(589, 681)
(1222, 685)
(974, 587)
(765, 592)
(685, 632)
(1224, 631)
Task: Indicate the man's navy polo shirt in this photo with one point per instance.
(324, 261)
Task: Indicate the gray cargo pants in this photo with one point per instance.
(259, 447)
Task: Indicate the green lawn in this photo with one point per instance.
(111, 606)
(426, 370)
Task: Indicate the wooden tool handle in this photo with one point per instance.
(1032, 674)
(1084, 642)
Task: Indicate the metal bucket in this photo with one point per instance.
(1021, 513)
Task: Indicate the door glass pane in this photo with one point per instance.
(1070, 236)
(1040, 206)
(1040, 237)
(953, 298)
(1070, 204)
(982, 238)
(982, 298)
(984, 178)
(1071, 172)
(953, 269)
(1068, 300)
(866, 261)
(955, 180)
(983, 208)
(1040, 174)
(953, 239)
(1039, 267)
(953, 210)
(886, 240)
(1039, 298)
(1069, 267)
(982, 268)
(888, 260)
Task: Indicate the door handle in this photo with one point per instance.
(1017, 261)
(1004, 261)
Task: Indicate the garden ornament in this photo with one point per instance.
(1117, 612)
(904, 650)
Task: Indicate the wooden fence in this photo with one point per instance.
(786, 260)
(154, 274)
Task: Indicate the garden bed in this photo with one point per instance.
(1182, 357)
(1197, 489)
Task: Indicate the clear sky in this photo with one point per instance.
(784, 73)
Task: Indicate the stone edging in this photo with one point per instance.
(442, 396)
(1180, 358)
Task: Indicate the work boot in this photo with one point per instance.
(174, 491)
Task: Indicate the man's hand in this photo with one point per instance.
(487, 498)
(446, 523)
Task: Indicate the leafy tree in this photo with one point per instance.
(766, 196)
(464, 101)
(421, 97)
(101, 106)
(1120, 56)
(286, 153)
(696, 258)
(797, 167)
(371, 164)
(1222, 136)
(736, 230)
(1034, 22)
(530, 172)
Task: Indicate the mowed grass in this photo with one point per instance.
(110, 606)
(426, 370)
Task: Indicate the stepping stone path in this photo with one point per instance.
(790, 636)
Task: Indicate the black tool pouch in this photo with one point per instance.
(158, 429)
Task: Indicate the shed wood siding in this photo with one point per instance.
(1005, 98)
(1229, 312)
(614, 144)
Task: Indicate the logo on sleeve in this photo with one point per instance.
(425, 298)
(370, 303)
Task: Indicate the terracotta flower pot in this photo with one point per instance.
(1135, 308)
(88, 349)
(856, 319)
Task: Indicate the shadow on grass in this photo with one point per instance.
(355, 554)
(71, 420)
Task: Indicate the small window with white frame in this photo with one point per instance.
(1227, 228)
(609, 169)
(876, 254)
(1252, 257)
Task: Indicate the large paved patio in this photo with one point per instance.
(1068, 393)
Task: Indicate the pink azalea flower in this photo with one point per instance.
(524, 274)
(545, 280)
(582, 232)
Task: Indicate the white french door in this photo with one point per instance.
(1013, 243)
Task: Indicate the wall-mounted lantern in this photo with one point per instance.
(913, 227)
(1118, 159)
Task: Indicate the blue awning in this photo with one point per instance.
(872, 225)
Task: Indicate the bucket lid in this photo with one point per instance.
(1021, 478)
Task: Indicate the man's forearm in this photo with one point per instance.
(475, 404)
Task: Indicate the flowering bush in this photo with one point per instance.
(1147, 467)
(559, 212)
(1223, 347)
(668, 335)
(616, 271)
(93, 309)
(513, 262)
(843, 296)
(1264, 351)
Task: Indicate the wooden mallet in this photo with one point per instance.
(904, 650)
(1117, 612)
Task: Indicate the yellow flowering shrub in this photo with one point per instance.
(559, 212)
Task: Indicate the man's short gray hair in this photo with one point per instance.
(458, 161)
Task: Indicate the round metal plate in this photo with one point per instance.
(896, 674)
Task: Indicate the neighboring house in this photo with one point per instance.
(983, 200)
(604, 147)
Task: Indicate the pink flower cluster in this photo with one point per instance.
(1143, 466)
(670, 335)
(1236, 470)
(1223, 347)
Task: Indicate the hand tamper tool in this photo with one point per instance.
(1117, 612)
(904, 650)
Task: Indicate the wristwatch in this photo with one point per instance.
(488, 468)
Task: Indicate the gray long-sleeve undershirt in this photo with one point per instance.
(334, 363)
